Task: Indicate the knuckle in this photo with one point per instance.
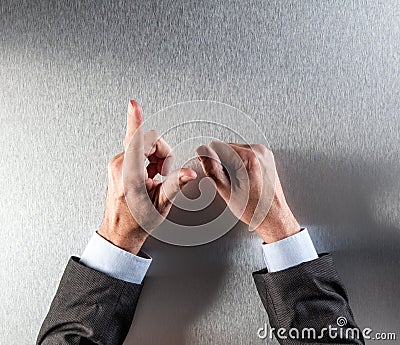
(261, 148)
(164, 144)
(153, 131)
(115, 162)
(111, 164)
(252, 157)
(264, 153)
(154, 134)
(126, 141)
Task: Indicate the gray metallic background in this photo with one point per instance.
(320, 77)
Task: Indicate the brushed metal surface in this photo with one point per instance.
(322, 80)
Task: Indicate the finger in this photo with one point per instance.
(131, 121)
(259, 149)
(246, 146)
(231, 157)
(253, 155)
(259, 160)
(133, 170)
(212, 167)
(154, 144)
(242, 150)
(156, 147)
(174, 183)
(115, 165)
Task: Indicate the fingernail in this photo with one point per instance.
(134, 105)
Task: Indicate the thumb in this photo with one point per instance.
(175, 181)
(213, 168)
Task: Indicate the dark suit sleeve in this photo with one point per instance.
(89, 308)
(306, 296)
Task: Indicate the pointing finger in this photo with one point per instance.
(133, 170)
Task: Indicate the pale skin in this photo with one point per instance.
(119, 226)
(265, 208)
(129, 179)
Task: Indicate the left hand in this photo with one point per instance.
(245, 176)
(131, 183)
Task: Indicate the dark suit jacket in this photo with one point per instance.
(310, 295)
(93, 308)
(89, 308)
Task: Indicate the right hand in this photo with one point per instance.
(245, 176)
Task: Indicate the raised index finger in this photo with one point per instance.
(133, 170)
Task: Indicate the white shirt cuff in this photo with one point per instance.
(107, 258)
(289, 252)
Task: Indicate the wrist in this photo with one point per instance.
(279, 228)
(130, 240)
